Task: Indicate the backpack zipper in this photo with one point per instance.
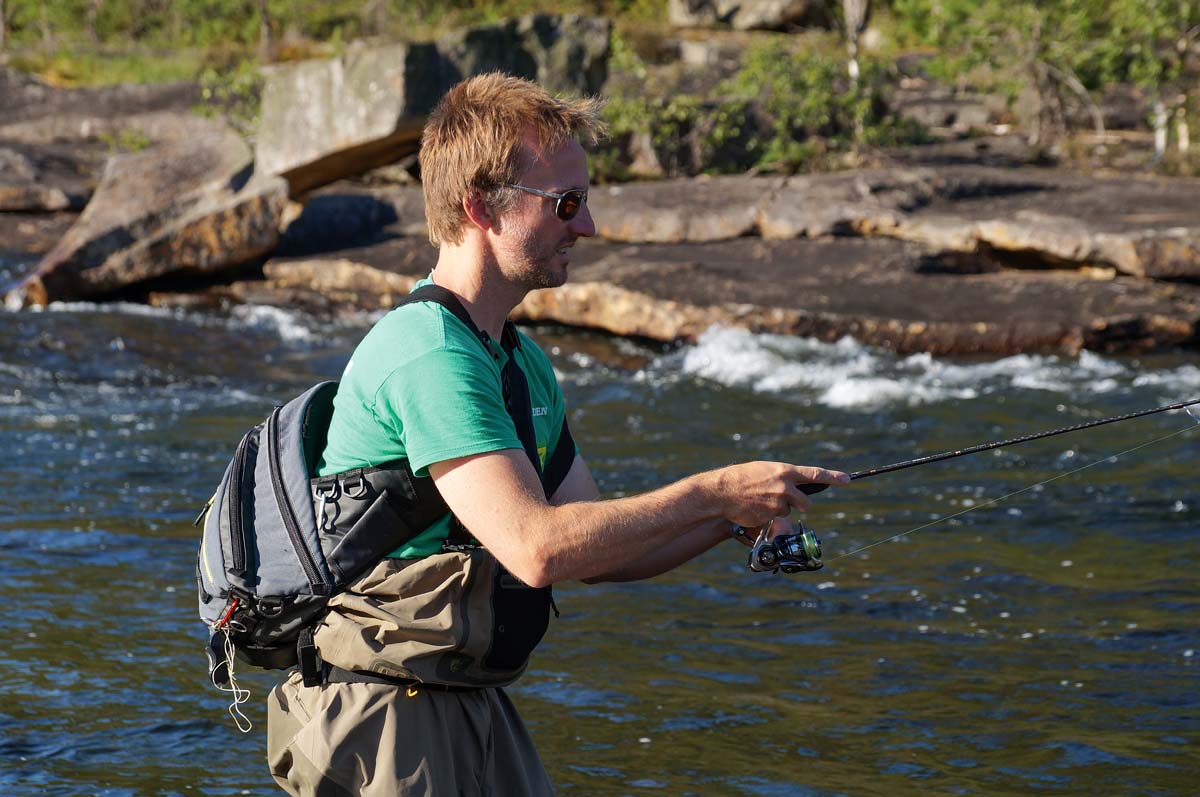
(237, 535)
(289, 516)
(204, 511)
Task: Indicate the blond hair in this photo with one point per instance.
(475, 140)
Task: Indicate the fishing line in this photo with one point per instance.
(801, 550)
(994, 501)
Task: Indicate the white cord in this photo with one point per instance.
(239, 694)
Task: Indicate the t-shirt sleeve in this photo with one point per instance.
(449, 404)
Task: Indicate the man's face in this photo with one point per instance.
(533, 245)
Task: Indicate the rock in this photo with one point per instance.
(36, 113)
(1141, 227)
(24, 186)
(15, 166)
(748, 14)
(843, 204)
(178, 206)
(1172, 255)
(327, 119)
(613, 309)
(23, 97)
(565, 54)
(944, 111)
(672, 211)
(720, 208)
(28, 196)
(25, 237)
(341, 280)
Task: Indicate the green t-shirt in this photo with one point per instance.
(421, 386)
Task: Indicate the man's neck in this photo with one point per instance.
(477, 283)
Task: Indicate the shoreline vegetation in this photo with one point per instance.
(1089, 84)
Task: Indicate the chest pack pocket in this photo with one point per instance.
(278, 542)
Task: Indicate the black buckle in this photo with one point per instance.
(311, 666)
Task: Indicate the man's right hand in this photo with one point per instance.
(753, 493)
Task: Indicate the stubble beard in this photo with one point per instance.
(538, 268)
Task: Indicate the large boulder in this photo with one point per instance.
(328, 119)
(177, 206)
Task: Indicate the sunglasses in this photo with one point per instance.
(568, 202)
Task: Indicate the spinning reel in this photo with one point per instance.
(792, 553)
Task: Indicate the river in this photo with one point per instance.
(1044, 644)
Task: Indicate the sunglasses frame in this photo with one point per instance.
(558, 213)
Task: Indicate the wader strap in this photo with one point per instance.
(514, 384)
(516, 402)
(520, 409)
(560, 462)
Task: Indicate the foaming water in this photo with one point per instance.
(849, 375)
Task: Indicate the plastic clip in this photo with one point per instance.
(324, 493)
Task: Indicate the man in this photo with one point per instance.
(423, 643)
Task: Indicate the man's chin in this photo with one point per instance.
(551, 276)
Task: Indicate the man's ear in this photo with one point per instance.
(477, 211)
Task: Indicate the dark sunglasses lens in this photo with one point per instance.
(569, 205)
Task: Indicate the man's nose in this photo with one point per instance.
(583, 225)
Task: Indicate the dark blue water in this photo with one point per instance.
(1046, 644)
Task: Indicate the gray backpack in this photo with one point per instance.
(266, 569)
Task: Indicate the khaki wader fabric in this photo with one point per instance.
(432, 619)
(375, 740)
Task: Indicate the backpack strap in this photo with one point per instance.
(515, 387)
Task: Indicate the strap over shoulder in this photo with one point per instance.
(515, 386)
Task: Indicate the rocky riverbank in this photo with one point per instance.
(950, 248)
(951, 261)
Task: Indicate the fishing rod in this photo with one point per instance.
(801, 551)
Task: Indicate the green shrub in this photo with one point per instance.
(783, 111)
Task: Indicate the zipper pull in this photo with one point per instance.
(204, 511)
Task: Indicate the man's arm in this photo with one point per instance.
(580, 486)
(498, 497)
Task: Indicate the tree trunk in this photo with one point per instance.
(1182, 134)
(264, 32)
(855, 13)
(3, 27)
(375, 16)
(93, 12)
(44, 21)
(1160, 129)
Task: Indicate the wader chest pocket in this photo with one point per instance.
(520, 616)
